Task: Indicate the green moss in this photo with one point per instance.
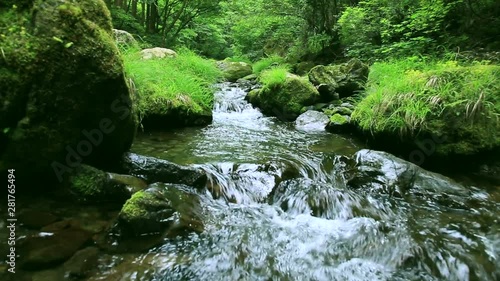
(338, 119)
(88, 182)
(131, 209)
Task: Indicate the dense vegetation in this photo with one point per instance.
(313, 29)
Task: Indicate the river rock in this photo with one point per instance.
(64, 97)
(124, 39)
(339, 124)
(286, 100)
(89, 184)
(233, 71)
(36, 219)
(157, 53)
(338, 81)
(48, 249)
(381, 172)
(158, 170)
(81, 263)
(159, 207)
(311, 121)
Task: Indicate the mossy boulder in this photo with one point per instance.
(124, 39)
(161, 207)
(233, 71)
(338, 81)
(92, 185)
(287, 99)
(339, 124)
(64, 98)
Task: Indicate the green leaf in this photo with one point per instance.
(67, 45)
(58, 39)
(6, 130)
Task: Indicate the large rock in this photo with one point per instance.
(286, 100)
(338, 81)
(158, 208)
(381, 172)
(157, 53)
(311, 120)
(124, 39)
(64, 97)
(158, 170)
(233, 71)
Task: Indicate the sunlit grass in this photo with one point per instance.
(267, 63)
(273, 77)
(183, 82)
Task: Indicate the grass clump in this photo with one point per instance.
(410, 97)
(274, 77)
(181, 84)
(266, 63)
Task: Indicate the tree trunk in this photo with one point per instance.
(134, 8)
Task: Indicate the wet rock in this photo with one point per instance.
(233, 71)
(385, 173)
(48, 249)
(157, 53)
(158, 208)
(338, 81)
(64, 95)
(311, 121)
(89, 184)
(62, 225)
(124, 39)
(36, 219)
(81, 263)
(339, 124)
(158, 170)
(285, 100)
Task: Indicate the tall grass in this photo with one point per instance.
(410, 96)
(182, 83)
(273, 77)
(266, 63)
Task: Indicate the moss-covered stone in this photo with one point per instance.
(343, 80)
(64, 96)
(286, 100)
(233, 71)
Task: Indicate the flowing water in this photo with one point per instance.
(253, 232)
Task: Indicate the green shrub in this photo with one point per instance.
(184, 82)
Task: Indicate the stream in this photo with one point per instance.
(278, 207)
(253, 234)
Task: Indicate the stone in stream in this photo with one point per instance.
(285, 100)
(89, 184)
(158, 170)
(36, 219)
(65, 99)
(47, 249)
(381, 172)
(160, 207)
(233, 71)
(311, 121)
(338, 81)
(81, 263)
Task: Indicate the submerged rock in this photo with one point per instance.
(311, 121)
(286, 100)
(81, 263)
(159, 207)
(158, 170)
(48, 249)
(233, 71)
(157, 53)
(64, 96)
(338, 81)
